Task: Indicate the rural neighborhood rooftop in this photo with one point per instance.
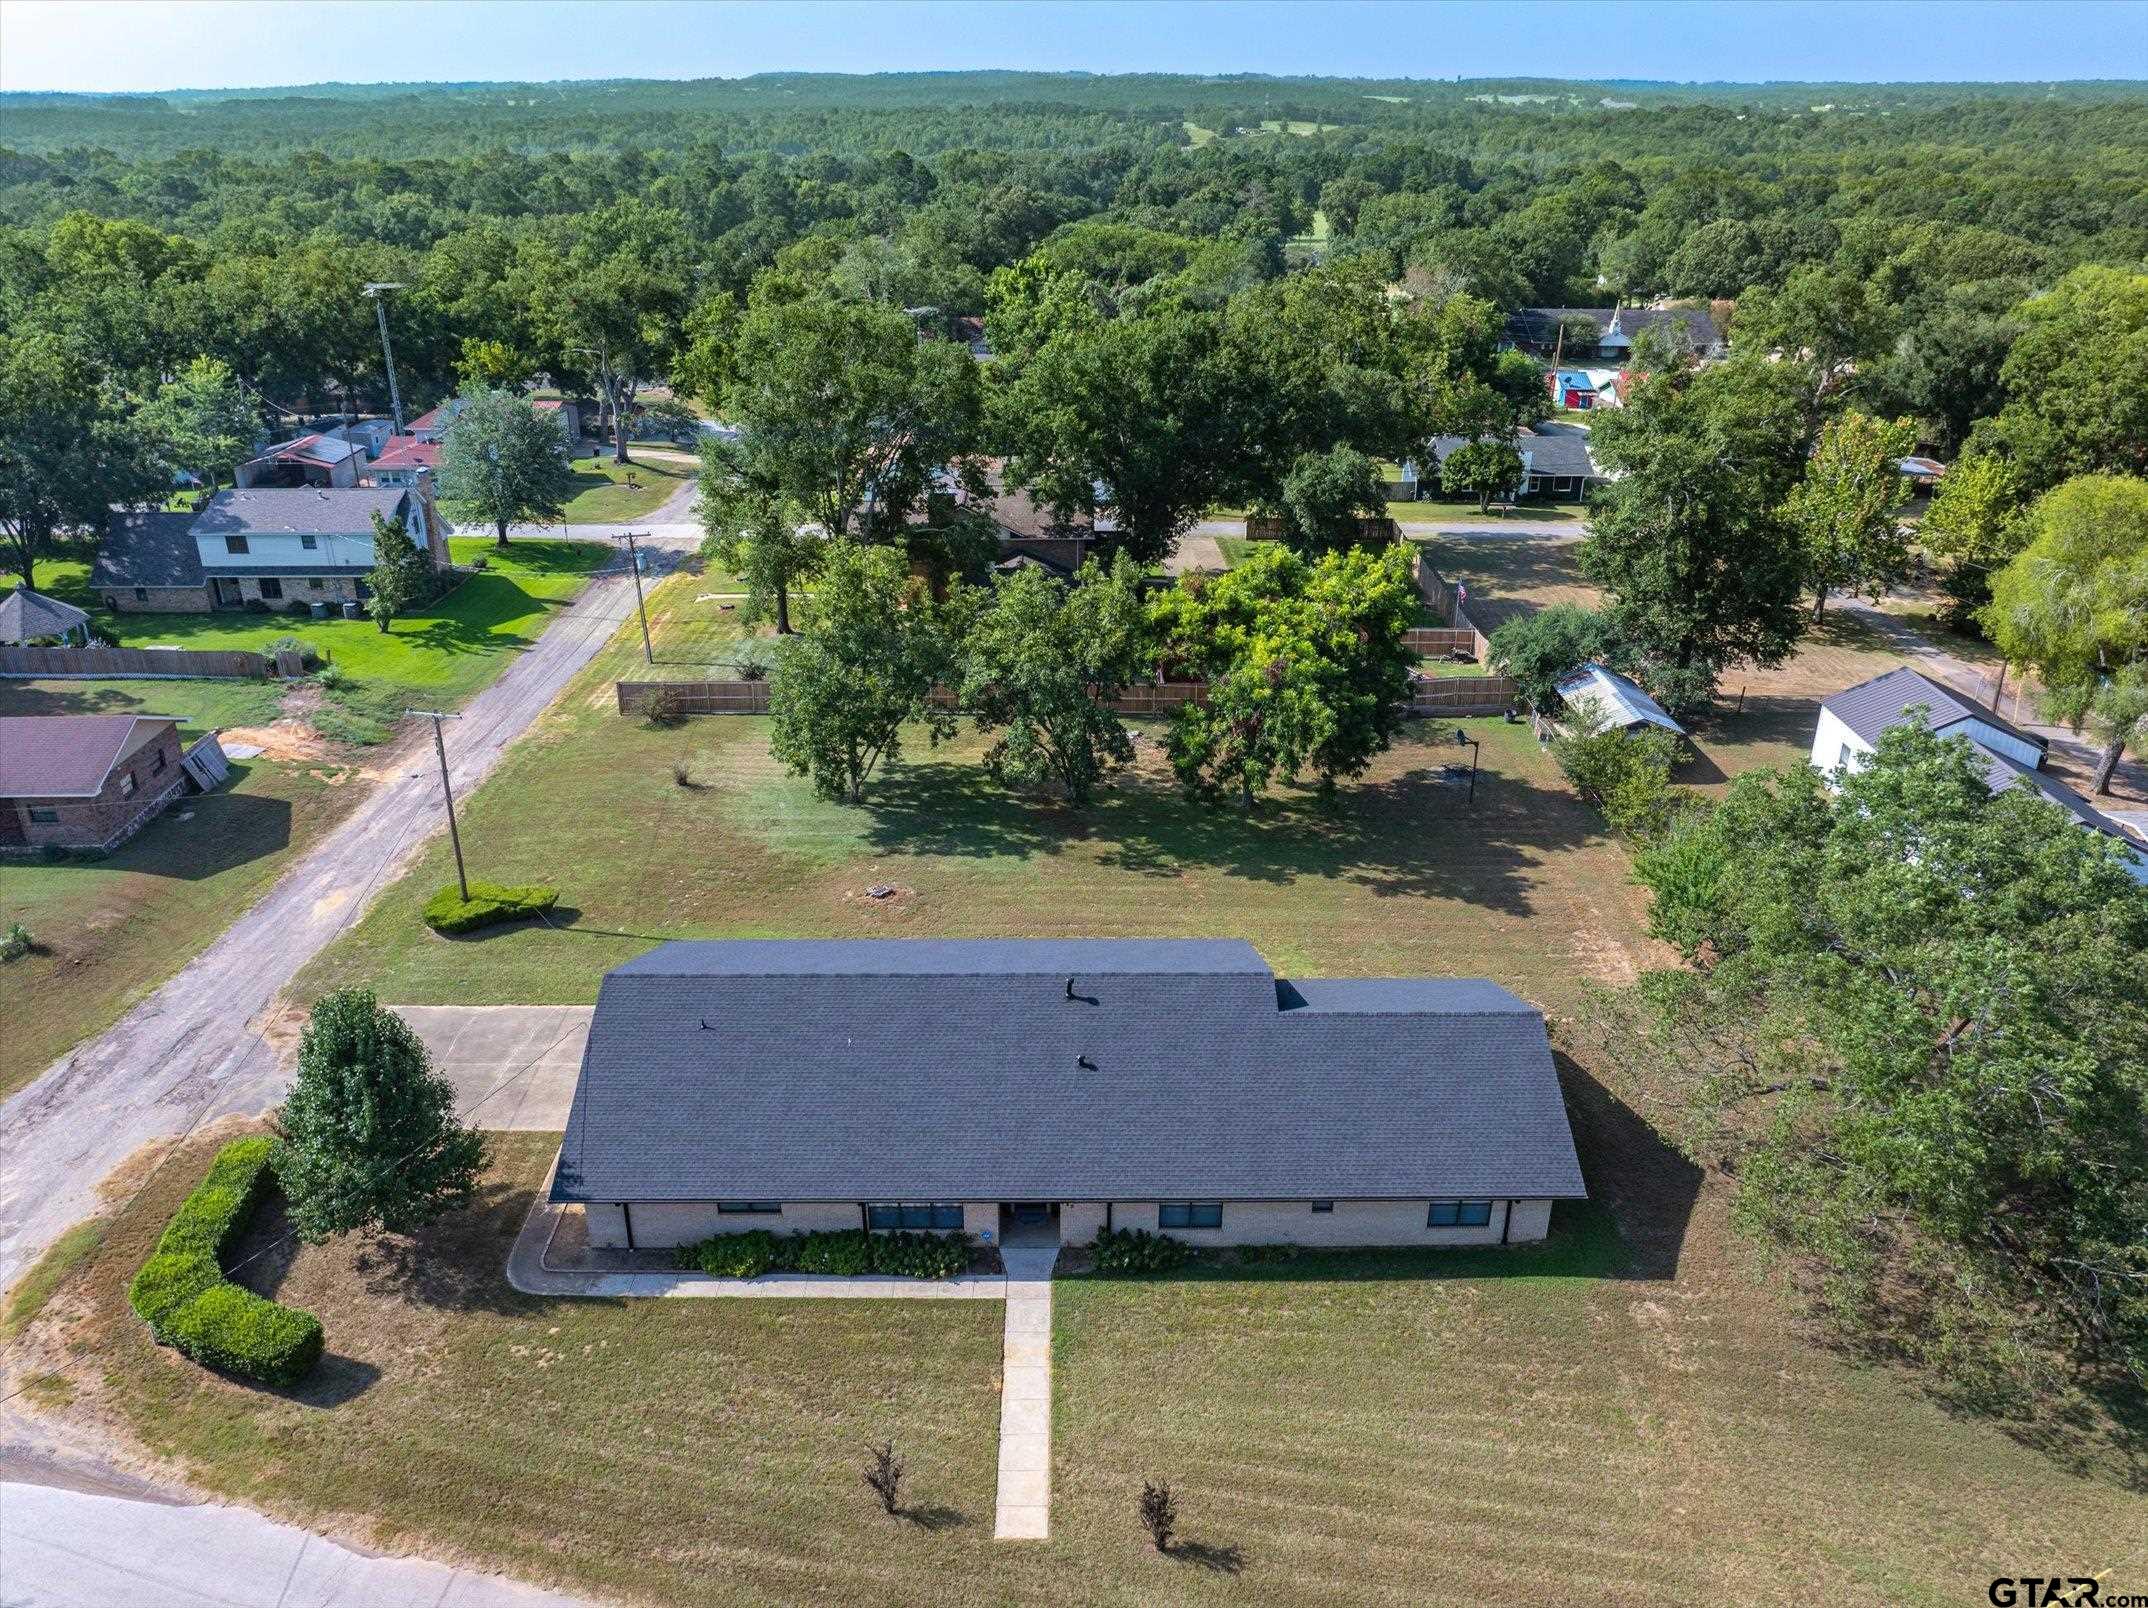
(1053, 1069)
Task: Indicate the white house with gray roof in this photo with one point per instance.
(1850, 724)
(968, 1085)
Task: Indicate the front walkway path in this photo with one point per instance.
(1025, 1398)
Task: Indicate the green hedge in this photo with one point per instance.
(840, 1253)
(1136, 1250)
(182, 1294)
(447, 911)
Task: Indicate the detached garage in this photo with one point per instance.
(1052, 1088)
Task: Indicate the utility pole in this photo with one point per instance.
(462, 879)
(633, 558)
(377, 292)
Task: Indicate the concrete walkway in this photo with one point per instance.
(76, 1549)
(513, 1067)
(1025, 1398)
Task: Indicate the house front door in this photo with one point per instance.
(228, 595)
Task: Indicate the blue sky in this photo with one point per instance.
(107, 45)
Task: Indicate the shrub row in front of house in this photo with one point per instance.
(841, 1253)
(1136, 1250)
(182, 1294)
(448, 911)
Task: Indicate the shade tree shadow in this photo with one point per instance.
(1228, 1560)
(455, 1264)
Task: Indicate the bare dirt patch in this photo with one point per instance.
(286, 739)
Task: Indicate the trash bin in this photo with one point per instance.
(319, 610)
(350, 611)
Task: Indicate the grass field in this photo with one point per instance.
(1616, 1416)
(603, 497)
(111, 930)
(1465, 512)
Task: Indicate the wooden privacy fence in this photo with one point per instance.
(1429, 695)
(1374, 530)
(1446, 601)
(1437, 641)
(170, 664)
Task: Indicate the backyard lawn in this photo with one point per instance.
(603, 497)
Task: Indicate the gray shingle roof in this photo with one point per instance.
(304, 511)
(1551, 448)
(1540, 325)
(1870, 707)
(25, 614)
(953, 1069)
(148, 549)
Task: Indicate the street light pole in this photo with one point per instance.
(462, 879)
(634, 563)
(377, 292)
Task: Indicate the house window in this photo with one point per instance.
(1190, 1214)
(234, 544)
(141, 594)
(40, 817)
(309, 543)
(126, 785)
(758, 1208)
(271, 588)
(1842, 757)
(1323, 1205)
(315, 584)
(1459, 1214)
(156, 762)
(943, 1214)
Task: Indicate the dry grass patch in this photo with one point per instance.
(647, 1449)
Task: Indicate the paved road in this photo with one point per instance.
(189, 1053)
(77, 1549)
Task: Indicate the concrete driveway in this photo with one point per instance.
(513, 1066)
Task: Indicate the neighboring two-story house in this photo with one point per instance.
(262, 546)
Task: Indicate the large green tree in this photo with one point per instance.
(845, 413)
(1326, 497)
(752, 531)
(368, 1137)
(875, 646)
(1700, 567)
(203, 417)
(1847, 509)
(1915, 1034)
(501, 462)
(2074, 401)
(1042, 664)
(70, 448)
(1305, 666)
(1975, 522)
(2074, 605)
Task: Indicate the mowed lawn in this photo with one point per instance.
(674, 1451)
(109, 930)
(603, 496)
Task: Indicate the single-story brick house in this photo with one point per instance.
(964, 1085)
(1851, 722)
(84, 781)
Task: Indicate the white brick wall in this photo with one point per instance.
(1079, 1220)
(663, 1223)
(980, 1220)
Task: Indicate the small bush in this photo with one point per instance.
(920, 1256)
(488, 904)
(731, 1256)
(334, 677)
(16, 943)
(664, 707)
(1627, 775)
(839, 1253)
(182, 1294)
(1136, 1250)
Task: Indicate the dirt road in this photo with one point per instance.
(190, 1052)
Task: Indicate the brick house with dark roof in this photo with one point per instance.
(84, 781)
(963, 1085)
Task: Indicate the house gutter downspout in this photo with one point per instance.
(1506, 1221)
(627, 1212)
